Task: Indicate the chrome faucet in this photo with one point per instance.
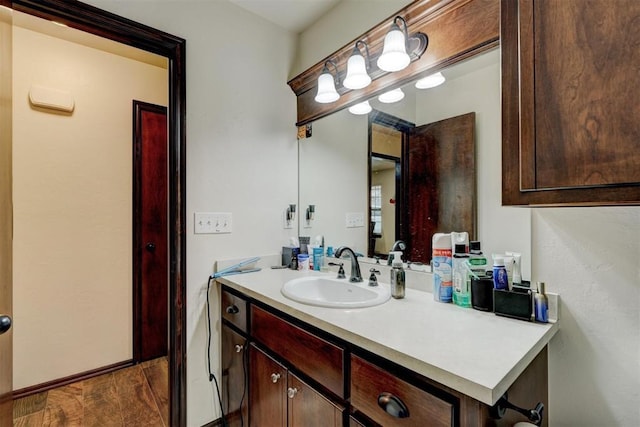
(355, 267)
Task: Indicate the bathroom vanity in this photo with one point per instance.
(408, 362)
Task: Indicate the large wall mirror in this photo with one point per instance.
(338, 168)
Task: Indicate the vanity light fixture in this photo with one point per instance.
(357, 76)
(327, 84)
(311, 210)
(392, 96)
(430, 81)
(291, 212)
(400, 48)
(361, 108)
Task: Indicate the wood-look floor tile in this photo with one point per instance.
(158, 376)
(101, 403)
(64, 406)
(29, 404)
(136, 399)
(32, 420)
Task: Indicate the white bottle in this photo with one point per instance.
(441, 267)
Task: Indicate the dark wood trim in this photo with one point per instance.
(403, 126)
(105, 24)
(39, 388)
(457, 29)
(214, 423)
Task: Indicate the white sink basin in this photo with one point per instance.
(337, 293)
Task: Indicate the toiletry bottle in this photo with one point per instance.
(541, 304)
(500, 280)
(477, 261)
(397, 278)
(441, 267)
(461, 295)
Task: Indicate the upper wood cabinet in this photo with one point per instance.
(570, 102)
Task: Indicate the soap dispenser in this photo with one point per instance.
(397, 277)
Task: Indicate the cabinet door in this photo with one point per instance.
(308, 408)
(267, 391)
(569, 111)
(234, 377)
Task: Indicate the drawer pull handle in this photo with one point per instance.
(275, 378)
(238, 348)
(291, 392)
(392, 405)
(232, 309)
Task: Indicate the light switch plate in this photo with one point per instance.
(213, 222)
(354, 219)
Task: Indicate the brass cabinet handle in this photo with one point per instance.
(291, 392)
(275, 377)
(392, 405)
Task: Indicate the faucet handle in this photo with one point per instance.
(373, 280)
(341, 274)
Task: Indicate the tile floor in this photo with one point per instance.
(133, 396)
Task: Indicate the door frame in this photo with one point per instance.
(92, 20)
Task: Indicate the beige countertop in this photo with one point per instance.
(474, 352)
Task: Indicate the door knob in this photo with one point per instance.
(151, 247)
(5, 324)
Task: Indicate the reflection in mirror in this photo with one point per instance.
(334, 163)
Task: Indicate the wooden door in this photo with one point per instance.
(6, 220)
(150, 264)
(267, 390)
(441, 176)
(234, 385)
(308, 408)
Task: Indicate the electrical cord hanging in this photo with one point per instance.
(212, 377)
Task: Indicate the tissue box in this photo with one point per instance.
(517, 305)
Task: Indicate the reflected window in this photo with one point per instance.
(376, 209)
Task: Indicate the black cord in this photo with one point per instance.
(212, 377)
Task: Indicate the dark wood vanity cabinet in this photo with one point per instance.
(279, 398)
(234, 359)
(283, 372)
(234, 377)
(570, 84)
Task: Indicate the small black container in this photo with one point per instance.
(514, 304)
(482, 293)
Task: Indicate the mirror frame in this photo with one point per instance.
(457, 29)
(96, 21)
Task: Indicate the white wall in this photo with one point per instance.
(241, 150)
(590, 256)
(72, 184)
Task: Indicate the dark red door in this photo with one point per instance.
(150, 263)
(441, 174)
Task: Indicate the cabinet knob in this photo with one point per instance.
(291, 392)
(232, 309)
(238, 348)
(275, 378)
(392, 405)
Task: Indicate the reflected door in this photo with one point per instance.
(441, 174)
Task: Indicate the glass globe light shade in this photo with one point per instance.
(430, 81)
(326, 89)
(357, 77)
(361, 108)
(394, 95)
(394, 55)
